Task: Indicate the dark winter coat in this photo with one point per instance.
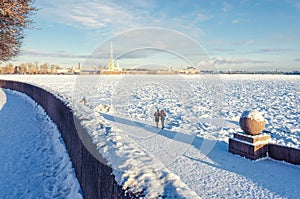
(163, 115)
(156, 115)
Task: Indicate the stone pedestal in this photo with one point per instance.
(251, 147)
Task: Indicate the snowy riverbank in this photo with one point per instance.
(191, 153)
(34, 161)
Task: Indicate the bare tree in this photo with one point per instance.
(14, 17)
(34, 68)
(44, 68)
(10, 68)
(23, 68)
(30, 68)
(52, 69)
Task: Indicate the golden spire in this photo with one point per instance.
(111, 65)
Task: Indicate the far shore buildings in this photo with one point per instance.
(113, 68)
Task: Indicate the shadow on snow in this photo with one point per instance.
(266, 173)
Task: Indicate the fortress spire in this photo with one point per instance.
(111, 51)
(111, 65)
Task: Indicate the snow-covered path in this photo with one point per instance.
(217, 174)
(34, 161)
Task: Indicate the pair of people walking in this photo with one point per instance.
(160, 115)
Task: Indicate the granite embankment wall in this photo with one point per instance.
(95, 177)
(255, 147)
(284, 153)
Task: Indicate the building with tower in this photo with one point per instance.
(112, 65)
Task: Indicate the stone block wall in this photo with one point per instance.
(255, 147)
(284, 153)
(251, 147)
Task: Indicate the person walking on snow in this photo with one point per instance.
(156, 117)
(162, 118)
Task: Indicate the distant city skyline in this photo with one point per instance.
(239, 35)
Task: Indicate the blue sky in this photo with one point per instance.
(236, 34)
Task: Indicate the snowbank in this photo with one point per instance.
(34, 160)
(134, 168)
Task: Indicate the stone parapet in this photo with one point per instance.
(284, 153)
(251, 147)
(259, 146)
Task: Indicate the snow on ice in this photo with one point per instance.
(190, 156)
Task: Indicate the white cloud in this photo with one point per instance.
(276, 50)
(146, 42)
(230, 61)
(235, 21)
(89, 14)
(200, 17)
(116, 16)
(87, 21)
(224, 42)
(53, 54)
